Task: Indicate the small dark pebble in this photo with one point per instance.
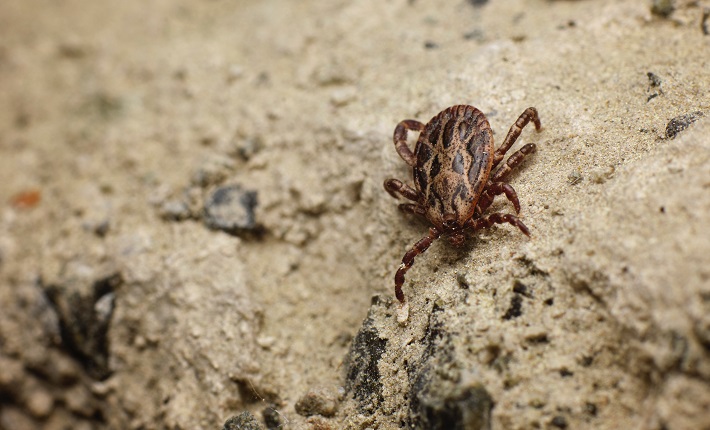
(653, 79)
(430, 45)
(101, 228)
(477, 3)
(565, 373)
(231, 209)
(591, 409)
(272, 418)
(538, 339)
(680, 123)
(559, 421)
(704, 21)
(662, 8)
(243, 421)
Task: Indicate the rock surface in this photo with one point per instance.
(121, 309)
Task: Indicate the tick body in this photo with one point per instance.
(453, 184)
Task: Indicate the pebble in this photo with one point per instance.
(231, 209)
(243, 421)
(317, 402)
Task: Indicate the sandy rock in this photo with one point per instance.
(598, 320)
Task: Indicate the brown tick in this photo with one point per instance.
(453, 184)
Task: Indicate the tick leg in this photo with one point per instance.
(408, 260)
(530, 114)
(400, 140)
(496, 189)
(497, 218)
(412, 209)
(397, 188)
(513, 161)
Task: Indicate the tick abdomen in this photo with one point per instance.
(454, 159)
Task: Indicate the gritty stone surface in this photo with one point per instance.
(106, 121)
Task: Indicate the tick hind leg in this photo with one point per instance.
(408, 260)
(497, 218)
(495, 189)
(530, 114)
(400, 140)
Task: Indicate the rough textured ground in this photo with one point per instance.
(121, 308)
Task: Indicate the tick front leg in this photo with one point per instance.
(495, 189)
(530, 114)
(497, 218)
(397, 188)
(408, 260)
(412, 208)
(400, 140)
(513, 161)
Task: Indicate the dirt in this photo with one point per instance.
(130, 299)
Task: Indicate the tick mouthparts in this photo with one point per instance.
(449, 222)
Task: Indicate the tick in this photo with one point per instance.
(453, 184)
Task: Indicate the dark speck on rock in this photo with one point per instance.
(231, 209)
(559, 421)
(520, 288)
(653, 80)
(515, 309)
(662, 8)
(680, 123)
